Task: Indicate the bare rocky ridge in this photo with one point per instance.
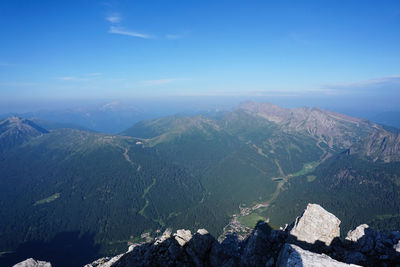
(334, 129)
(292, 255)
(383, 145)
(33, 263)
(329, 127)
(15, 131)
(313, 240)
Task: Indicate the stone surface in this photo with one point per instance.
(292, 255)
(32, 263)
(357, 233)
(363, 238)
(396, 247)
(202, 231)
(104, 262)
(183, 236)
(167, 234)
(109, 261)
(316, 224)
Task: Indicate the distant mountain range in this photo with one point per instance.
(112, 117)
(224, 173)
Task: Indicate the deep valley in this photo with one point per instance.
(222, 173)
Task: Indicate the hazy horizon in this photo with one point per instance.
(340, 55)
(130, 111)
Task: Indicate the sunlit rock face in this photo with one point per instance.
(292, 255)
(357, 233)
(316, 224)
(32, 263)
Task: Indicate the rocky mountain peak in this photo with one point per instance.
(331, 128)
(13, 121)
(383, 145)
(20, 124)
(15, 130)
(33, 263)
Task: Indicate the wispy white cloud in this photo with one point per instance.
(114, 18)
(375, 83)
(115, 28)
(160, 82)
(122, 31)
(73, 79)
(381, 80)
(282, 93)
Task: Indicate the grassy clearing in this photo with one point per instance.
(307, 168)
(251, 219)
(148, 188)
(47, 199)
(141, 212)
(311, 178)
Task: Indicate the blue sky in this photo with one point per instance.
(52, 50)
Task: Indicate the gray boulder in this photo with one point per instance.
(32, 263)
(292, 255)
(183, 236)
(362, 238)
(316, 224)
(358, 233)
(104, 262)
(163, 237)
(396, 247)
(109, 261)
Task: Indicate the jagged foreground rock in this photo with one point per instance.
(292, 255)
(316, 224)
(33, 263)
(312, 240)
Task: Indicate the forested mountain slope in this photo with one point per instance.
(70, 180)
(259, 161)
